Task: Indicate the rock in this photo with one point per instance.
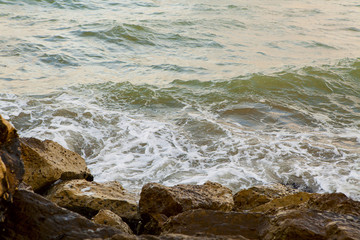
(290, 201)
(156, 198)
(334, 202)
(172, 237)
(11, 165)
(46, 162)
(7, 132)
(209, 222)
(87, 198)
(153, 223)
(310, 224)
(253, 197)
(109, 218)
(33, 217)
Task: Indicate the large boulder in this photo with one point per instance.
(47, 161)
(253, 197)
(107, 217)
(334, 202)
(209, 222)
(169, 201)
(33, 217)
(87, 198)
(308, 224)
(11, 166)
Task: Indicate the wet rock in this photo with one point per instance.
(289, 201)
(209, 222)
(109, 218)
(153, 223)
(253, 197)
(156, 198)
(33, 217)
(334, 202)
(46, 162)
(311, 224)
(172, 237)
(87, 198)
(11, 166)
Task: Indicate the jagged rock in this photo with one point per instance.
(109, 218)
(87, 198)
(47, 161)
(307, 224)
(156, 198)
(11, 166)
(209, 222)
(334, 202)
(253, 197)
(33, 217)
(290, 201)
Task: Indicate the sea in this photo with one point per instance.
(238, 92)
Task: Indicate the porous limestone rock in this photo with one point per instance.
(109, 218)
(156, 198)
(152, 223)
(289, 201)
(172, 236)
(307, 224)
(209, 222)
(47, 161)
(11, 166)
(87, 198)
(33, 217)
(255, 196)
(334, 202)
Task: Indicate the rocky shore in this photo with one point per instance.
(47, 192)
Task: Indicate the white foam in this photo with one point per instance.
(133, 148)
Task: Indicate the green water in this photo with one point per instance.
(237, 92)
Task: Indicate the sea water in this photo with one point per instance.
(238, 92)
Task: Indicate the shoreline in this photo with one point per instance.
(47, 192)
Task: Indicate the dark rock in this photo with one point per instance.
(34, 217)
(334, 202)
(310, 224)
(156, 198)
(47, 161)
(153, 223)
(209, 222)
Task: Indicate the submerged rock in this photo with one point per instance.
(11, 166)
(33, 217)
(107, 217)
(47, 161)
(87, 198)
(156, 198)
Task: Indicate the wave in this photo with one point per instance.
(297, 127)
